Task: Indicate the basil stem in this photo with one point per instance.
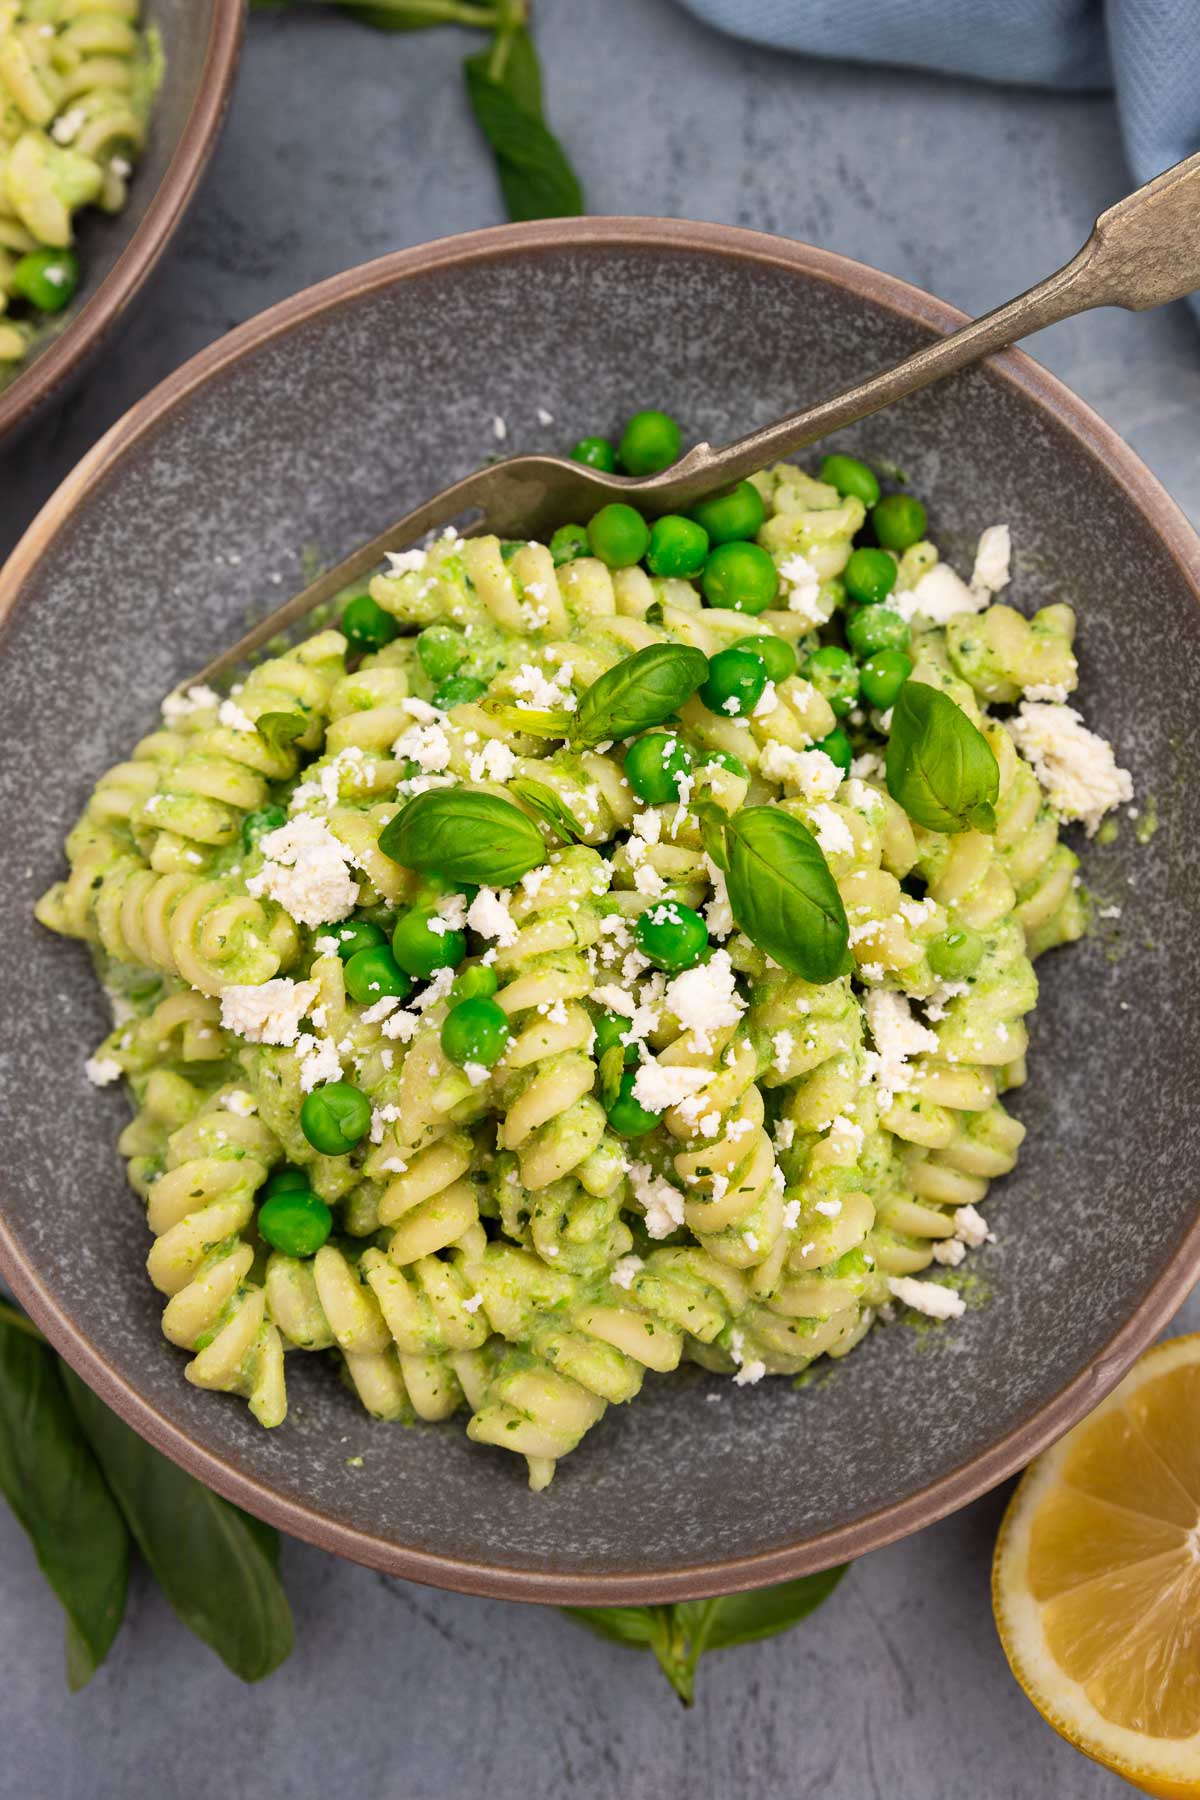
(464, 835)
(504, 87)
(782, 893)
(642, 690)
(940, 767)
(216, 1566)
(549, 808)
(54, 1485)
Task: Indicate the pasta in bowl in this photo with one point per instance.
(592, 956)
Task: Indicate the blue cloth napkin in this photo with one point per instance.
(1148, 50)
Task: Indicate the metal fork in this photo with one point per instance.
(1141, 253)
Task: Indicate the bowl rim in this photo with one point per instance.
(945, 1493)
(42, 377)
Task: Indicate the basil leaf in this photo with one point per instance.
(744, 1618)
(280, 728)
(504, 89)
(215, 1566)
(643, 690)
(782, 893)
(465, 835)
(547, 805)
(418, 15)
(940, 767)
(530, 720)
(54, 1485)
(633, 1625)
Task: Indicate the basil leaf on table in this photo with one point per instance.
(679, 1635)
(546, 803)
(504, 89)
(782, 893)
(216, 1566)
(53, 1483)
(465, 835)
(640, 691)
(280, 728)
(940, 767)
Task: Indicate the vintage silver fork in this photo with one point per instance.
(1141, 253)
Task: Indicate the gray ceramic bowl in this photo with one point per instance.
(313, 426)
(200, 40)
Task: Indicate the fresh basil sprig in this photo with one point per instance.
(465, 835)
(780, 889)
(86, 1488)
(53, 1483)
(280, 728)
(640, 691)
(940, 767)
(679, 1635)
(504, 86)
(549, 807)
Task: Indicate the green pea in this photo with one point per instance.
(597, 453)
(284, 1181)
(851, 477)
(872, 628)
(834, 673)
(837, 747)
(735, 682)
(375, 974)
(882, 676)
(957, 954)
(618, 535)
(899, 521)
(335, 1117)
(440, 649)
(678, 547)
(475, 1031)
(741, 577)
(458, 691)
(353, 935)
(612, 1031)
(295, 1223)
(627, 1116)
(48, 279)
(256, 824)
(870, 576)
(735, 514)
(672, 935)
(725, 759)
(776, 652)
(477, 982)
(568, 542)
(422, 951)
(366, 624)
(649, 442)
(654, 765)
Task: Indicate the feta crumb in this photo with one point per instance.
(661, 1201)
(546, 693)
(810, 773)
(177, 706)
(705, 999)
(319, 1061)
(658, 1086)
(949, 1252)
(624, 1271)
(450, 915)
(499, 428)
(238, 1101)
(1054, 691)
(490, 917)
(783, 1048)
(101, 1070)
(927, 1297)
(791, 1215)
(476, 1073)
(748, 1372)
(802, 589)
(473, 1303)
(897, 1036)
(993, 558)
(495, 762)
(831, 831)
(938, 596)
(269, 1012)
(972, 1227)
(544, 416)
(767, 702)
(230, 714)
(1076, 769)
(718, 912)
(785, 1134)
(307, 872)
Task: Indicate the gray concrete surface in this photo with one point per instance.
(343, 145)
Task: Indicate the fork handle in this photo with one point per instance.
(1141, 253)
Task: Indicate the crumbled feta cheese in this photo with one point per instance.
(406, 562)
(67, 126)
(319, 1061)
(624, 1270)
(810, 773)
(993, 558)
(658, 1086)
(849, 1131)
(545, 692)
(495, 762)
(705, 999)
(659, 1199)
(230, 714)
(718, 912)
(544, 417)
(972, 1227)
(648, 881)
(177, 707)
(938, 596)
(949, 1252)
(897, 1036)
(476, 1073)
(1076, 769)
(473, 1303)
(490, 917)
(791, 1215)
(450, 915)
(381, 1117)
(831, 831)
(499, 428)
(783, 1048)
(269, 1013)
(830, 1208)
(1054, 691)
(785, 1134)
(532, 880)
(1109, 912)
(238, 1101)
(802, 589)
(927, 1297)
(768, 700)
(307, 872)
(426, 744)
(748, 1372)
(647, 826)
(100, 1070)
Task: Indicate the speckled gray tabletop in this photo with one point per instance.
(341, 146)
